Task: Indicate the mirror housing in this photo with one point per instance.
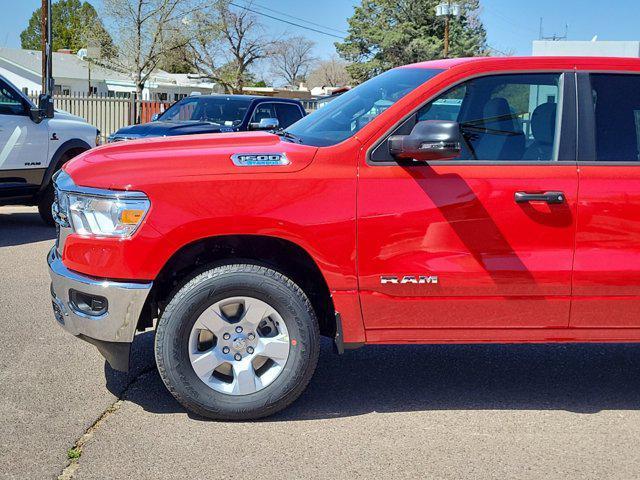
(429, 140)
(265, 124)
(45, 105)
(43, 110)
(155, 117)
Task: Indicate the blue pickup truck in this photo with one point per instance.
(215, 114)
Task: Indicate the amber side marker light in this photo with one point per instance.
(131, 217)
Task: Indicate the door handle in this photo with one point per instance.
(547, 197)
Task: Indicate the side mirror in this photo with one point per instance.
(45, 105)
(429, 140)
(43, 110)
(155, 117)
(265, 124)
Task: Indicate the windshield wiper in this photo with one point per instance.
(281, 132)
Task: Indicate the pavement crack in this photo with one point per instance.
(75, 452)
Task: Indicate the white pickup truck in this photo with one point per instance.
(34, 144)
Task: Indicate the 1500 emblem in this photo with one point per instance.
(420, 280)
(259, 159)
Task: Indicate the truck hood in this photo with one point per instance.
(161, 129)
(132, 165)
(64, 115)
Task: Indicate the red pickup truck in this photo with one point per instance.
(456, 201)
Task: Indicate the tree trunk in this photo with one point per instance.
(138, 99)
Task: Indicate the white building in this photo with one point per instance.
(75, 76)
(594, 48)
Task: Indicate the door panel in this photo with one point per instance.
(498, 263)
(462, 224)
(607, 263)
(23, 143)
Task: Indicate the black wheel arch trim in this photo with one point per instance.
(55, 163)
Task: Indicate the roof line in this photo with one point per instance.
(19, 66)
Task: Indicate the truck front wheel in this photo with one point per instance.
(237, 342)
(44, 205)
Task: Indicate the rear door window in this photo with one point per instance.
(288, 114)
(616, 102)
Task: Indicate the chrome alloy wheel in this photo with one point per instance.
(239, 345)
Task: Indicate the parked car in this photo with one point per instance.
(215, 114)
(512, 220)
(34, 143)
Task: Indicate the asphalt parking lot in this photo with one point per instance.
(567, 411)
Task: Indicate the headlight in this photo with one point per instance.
(106, 216)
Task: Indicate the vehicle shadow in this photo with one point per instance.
(576, 378)
(20, 228)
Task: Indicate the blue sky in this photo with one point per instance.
(511, 24)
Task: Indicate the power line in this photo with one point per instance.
(244, 7)
(251, 3)
(286, 21)
(506, 19)
(497, 51)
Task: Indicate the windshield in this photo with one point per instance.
(223, 110)
(351, 111)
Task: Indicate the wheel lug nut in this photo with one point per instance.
(251, 336)
(239, 329)
(226, 336)
(225, 350)
(238, 357)
(249, 350)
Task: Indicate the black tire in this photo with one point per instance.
(174, 327)
(44, 206)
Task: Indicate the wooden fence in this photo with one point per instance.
(108, 114)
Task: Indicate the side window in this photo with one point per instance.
(264, 110)
(445, 107)
(617, 116)
(503, 117)
(10, 102)
(288, 114)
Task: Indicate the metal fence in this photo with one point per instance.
(309, 104)
(109, 114)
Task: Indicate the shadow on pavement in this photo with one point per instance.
(22, 228)
(576, 378)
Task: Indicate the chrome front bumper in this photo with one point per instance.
(111, 331)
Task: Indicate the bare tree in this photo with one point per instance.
(146, 31)
(292, 58)
(330, 73)
(227, 43)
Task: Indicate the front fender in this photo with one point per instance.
(57, 160)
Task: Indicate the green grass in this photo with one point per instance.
(73, 453)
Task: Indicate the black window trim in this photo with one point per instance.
(568, 133)
(587, 150)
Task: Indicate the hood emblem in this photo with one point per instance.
(259, 159)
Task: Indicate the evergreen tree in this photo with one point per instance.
(388, 33)
(75, 25)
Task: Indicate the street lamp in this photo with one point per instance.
(447, 10)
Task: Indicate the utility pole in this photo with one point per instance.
(45, 29)
(447, 21)
(447, 10)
